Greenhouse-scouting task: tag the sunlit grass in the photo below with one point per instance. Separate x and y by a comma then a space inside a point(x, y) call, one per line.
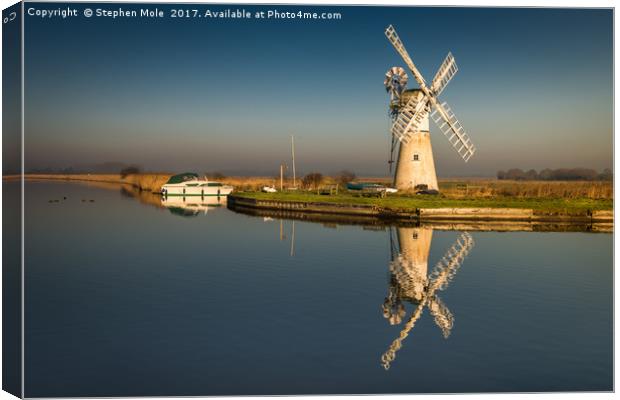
point(409, 202)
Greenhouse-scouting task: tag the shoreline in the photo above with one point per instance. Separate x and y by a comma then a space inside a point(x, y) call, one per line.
point(143, 182)
point(602, 218)
point(375, 223)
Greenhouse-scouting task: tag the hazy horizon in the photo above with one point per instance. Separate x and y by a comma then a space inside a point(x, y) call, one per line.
point(534, 89)
point(114, 167)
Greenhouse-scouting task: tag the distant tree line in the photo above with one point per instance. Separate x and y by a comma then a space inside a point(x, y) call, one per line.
point(215, 175)
point(314, 179)
point(561, 174)
point(130, 170)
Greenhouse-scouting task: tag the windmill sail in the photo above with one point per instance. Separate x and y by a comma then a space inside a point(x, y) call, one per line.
point(409, 119)
point(444, 74)
point(453, 130)
point(446, 268)
point(392, 36)
point(395, 81)
point(442, 316)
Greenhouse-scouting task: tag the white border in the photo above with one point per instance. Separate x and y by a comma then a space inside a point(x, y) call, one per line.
point(458, 3)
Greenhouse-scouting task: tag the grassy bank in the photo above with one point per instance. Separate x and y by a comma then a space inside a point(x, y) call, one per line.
point(405, 202)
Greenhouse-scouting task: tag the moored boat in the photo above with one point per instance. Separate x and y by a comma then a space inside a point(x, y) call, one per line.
point(190, 184)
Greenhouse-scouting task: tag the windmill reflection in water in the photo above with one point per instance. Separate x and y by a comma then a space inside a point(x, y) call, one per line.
point(411, 282)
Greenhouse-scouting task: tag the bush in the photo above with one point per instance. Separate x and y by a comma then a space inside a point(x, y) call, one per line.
point(345, 177)
point(312, 180)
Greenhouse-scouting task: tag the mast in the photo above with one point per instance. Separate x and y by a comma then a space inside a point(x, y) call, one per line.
point(293, 153)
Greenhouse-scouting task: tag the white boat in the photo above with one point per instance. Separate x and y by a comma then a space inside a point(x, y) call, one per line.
point(189, 184)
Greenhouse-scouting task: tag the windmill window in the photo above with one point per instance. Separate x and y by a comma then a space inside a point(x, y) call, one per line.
point(416, 157)
point(415, 235)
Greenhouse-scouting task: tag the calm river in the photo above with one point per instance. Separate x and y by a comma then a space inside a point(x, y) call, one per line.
point(128, 298)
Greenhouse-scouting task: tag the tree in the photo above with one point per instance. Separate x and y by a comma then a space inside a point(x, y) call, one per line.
point(501, 174)
point(584, 174)
point(515, 174)
point(215, 175)
point(606, 175)
point(546, 174)
point(312, 180)
point(130, 170)
point(531, 175)
point(345, 177)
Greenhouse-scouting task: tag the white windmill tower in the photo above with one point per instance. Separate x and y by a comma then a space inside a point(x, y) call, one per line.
point(410, 110)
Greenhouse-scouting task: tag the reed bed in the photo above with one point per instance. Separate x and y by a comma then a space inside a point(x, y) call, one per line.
point(150, 182)
point(527, 189)
point(153, 182)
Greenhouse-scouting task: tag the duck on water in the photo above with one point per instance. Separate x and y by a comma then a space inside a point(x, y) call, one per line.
point(190, 184)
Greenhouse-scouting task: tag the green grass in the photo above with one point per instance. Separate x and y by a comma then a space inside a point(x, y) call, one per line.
point(404, 202)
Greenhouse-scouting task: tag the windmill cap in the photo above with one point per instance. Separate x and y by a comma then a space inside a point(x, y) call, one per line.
point(408, 94)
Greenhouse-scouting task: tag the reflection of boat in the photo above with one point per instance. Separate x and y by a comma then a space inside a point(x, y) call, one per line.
point(192, 206)
point(189, 184)
point(411, 282)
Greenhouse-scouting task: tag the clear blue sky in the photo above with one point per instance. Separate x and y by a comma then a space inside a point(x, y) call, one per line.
point(534, 89)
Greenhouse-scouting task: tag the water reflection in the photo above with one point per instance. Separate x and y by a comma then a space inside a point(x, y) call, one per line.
point(544, 321)
point(192, 206)
point(177, 205)
point(411, 282)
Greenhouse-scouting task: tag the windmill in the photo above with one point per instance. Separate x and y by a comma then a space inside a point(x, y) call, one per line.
point(409, 112)
point(409, 281)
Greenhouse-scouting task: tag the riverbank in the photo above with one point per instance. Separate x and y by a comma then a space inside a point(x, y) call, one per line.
point(148, 182)
point(376, 223)
point(433, 208)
